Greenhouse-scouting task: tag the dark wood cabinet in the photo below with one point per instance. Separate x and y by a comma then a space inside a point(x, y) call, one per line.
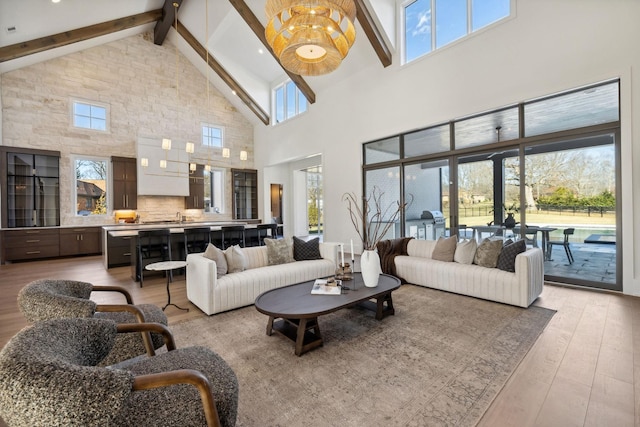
point(119, 250)
point(245, 193)
point(80, 241)
point(125, 183)
point(195, 200)
point(36, 243)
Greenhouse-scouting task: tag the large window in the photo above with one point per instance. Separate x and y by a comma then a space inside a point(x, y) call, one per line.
point(214, 191)
point(432, 24)
point(288, 102)
point(91, 186)
point(548, 164)
point(90, 115)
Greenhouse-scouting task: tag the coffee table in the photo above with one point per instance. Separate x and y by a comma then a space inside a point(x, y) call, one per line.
point(298, 310)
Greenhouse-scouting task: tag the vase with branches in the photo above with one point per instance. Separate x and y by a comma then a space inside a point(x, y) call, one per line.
point(372, 220)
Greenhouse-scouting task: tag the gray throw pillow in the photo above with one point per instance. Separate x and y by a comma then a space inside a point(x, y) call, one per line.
point(304, 250)
point(507, 258)
point(445, 249)
point(465, 251)
point(216, 254)
point(487, 253)
point(278, 251)
point(236, 261)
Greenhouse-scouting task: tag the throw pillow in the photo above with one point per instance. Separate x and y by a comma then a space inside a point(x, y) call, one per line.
point(465, 252)
point(278, 251)
point(445, 249)
point(236, 261)
point(303, 250)
point(487, 253)
point(507, 258)
point(216, 254)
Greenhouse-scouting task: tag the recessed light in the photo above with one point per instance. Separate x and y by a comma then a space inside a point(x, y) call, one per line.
point(55, 1)
point(260, 51)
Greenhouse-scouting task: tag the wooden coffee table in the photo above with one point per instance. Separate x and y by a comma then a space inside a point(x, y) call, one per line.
point(298, 310)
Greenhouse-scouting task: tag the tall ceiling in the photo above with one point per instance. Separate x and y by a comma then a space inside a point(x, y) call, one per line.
point(223, 31)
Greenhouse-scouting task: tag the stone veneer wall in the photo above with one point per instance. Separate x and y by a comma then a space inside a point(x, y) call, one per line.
point(137, 80)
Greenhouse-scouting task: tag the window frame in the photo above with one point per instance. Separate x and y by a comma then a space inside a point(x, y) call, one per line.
point(223, 175)
point(301, 103)
point(74, 184)
point(211, 126)
point(401, 28)
point(107, 114)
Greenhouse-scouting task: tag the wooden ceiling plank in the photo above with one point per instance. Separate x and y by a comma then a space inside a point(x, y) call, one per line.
point(168, 19)
point(224, 75)
point(42, 44)
point(256, 26)
point(373, 33)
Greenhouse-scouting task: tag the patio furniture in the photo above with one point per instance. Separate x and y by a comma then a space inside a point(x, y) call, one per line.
point(564, 243)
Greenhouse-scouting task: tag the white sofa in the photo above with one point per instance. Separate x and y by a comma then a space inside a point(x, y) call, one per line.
point(520, 288)
point(213, 295)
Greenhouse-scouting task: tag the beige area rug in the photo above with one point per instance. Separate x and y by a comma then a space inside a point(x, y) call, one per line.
point(440, 361)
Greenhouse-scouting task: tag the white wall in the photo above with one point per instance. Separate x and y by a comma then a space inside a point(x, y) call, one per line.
point(550, 46)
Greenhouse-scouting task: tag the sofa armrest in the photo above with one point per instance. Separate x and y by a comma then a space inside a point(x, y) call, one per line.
point(202, 274)
point(530, 270)
point(329, 250)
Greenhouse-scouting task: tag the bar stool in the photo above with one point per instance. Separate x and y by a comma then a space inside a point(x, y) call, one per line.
point(266, 230)
point(196, 240)
point(232, 235)
point(153, 246)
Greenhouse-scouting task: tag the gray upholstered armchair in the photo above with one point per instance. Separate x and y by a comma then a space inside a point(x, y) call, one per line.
point(58, 298)
point(49, 376)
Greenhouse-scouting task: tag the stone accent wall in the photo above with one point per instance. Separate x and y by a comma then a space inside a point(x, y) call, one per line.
point(149, 94)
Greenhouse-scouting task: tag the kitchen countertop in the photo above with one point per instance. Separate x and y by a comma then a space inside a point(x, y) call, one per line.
point(125, 230)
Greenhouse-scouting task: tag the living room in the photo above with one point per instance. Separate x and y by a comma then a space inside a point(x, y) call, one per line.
point(543, 48)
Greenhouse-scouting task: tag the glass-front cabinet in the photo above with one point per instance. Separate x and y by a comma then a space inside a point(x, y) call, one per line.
point(245, 193)
point(32, 189)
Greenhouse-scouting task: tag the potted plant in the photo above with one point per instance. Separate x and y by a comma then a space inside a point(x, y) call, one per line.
point(372, 221)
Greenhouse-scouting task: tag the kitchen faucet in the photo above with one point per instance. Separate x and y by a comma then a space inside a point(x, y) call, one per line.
point(178, 217)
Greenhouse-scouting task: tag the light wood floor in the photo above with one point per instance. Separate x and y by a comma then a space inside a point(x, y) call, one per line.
point(584, 370)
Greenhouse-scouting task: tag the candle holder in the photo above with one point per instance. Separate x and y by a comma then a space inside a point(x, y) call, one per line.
point(344, 272)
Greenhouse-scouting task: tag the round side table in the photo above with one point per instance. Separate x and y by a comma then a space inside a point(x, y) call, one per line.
point(167, 266)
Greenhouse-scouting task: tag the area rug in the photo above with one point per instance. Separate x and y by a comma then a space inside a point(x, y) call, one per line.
point(440, 361)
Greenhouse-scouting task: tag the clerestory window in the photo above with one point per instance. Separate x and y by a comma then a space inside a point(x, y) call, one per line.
point(431, 24)
point(288, 102)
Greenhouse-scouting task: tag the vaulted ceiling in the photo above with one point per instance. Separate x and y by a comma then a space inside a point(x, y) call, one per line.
point(229, 33)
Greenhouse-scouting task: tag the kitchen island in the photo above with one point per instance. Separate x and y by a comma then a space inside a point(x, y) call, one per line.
point(119, 240)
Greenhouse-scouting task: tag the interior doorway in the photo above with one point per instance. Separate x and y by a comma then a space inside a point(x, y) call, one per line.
point(315, 215)
point(276, 203)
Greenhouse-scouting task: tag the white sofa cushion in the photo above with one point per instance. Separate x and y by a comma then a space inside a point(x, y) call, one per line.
point(520, 288)
point(213, 295)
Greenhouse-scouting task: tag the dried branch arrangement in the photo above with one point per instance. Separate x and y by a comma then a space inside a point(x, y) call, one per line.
point(376, 220)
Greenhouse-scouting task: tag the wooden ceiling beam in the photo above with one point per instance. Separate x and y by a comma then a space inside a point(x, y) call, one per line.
point(256, 26)
point(224, 75)
point(373, 33)
point(42, 44)
point(167, 21)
